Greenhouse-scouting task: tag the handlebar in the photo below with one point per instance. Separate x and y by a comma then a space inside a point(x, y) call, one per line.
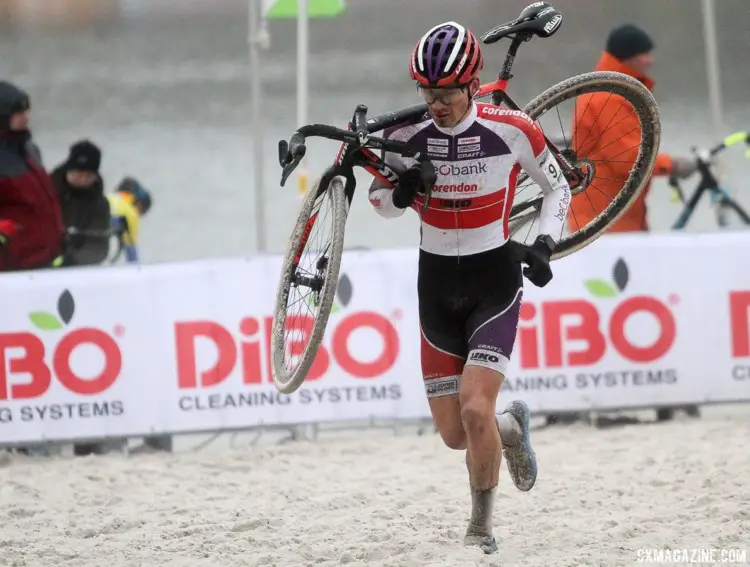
point(358, 134)
point(704, 158)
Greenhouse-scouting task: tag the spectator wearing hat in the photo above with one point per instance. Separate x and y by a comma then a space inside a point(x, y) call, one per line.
point(85, 208)
point(629, 50)
point(608, 131)
point(31, 226)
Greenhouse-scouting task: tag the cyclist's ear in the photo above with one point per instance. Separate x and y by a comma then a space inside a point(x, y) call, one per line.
point(474, 87)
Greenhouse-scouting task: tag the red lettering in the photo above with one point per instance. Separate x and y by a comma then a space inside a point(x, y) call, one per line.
point(587, 329)
point(303, 328)
point(185, 336)
point(252, 371)
point(255, 361)
point(387, 357)
point(667, 329)
point(563, 322)
point(528, 338)
point(739, 304)
point(31, 363)
point(78, 384)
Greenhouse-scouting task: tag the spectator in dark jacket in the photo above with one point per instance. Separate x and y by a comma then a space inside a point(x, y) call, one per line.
point(85, 207)
point(31, 225)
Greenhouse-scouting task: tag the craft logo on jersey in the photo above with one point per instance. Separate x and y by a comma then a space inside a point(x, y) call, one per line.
point(469, 147)
point(579, 343)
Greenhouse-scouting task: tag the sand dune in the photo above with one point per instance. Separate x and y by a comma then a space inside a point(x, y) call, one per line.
point(382, 500)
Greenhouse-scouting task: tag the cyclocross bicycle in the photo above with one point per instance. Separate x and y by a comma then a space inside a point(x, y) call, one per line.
point(335, 188)
point(722, 201)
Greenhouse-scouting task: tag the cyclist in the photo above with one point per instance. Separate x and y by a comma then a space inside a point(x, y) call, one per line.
point(128, 204)
point(470, 283)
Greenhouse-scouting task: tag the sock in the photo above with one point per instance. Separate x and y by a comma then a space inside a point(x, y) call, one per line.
point(481, 511)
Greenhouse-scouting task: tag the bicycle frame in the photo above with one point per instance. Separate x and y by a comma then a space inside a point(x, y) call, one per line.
point(710, 184)
point(356, 148)
point(357, 145)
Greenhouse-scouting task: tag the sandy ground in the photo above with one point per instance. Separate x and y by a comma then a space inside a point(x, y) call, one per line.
point(382, 500)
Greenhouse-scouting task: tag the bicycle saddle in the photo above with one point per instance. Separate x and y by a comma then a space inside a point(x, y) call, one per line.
point(539, 19)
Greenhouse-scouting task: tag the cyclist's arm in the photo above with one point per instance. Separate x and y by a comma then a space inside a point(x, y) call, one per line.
point(381, 190)
point(541, 166)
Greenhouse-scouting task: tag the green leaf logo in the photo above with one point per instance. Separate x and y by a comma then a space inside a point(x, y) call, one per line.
point(45, 321)
point(600, 288)
point(312, 303)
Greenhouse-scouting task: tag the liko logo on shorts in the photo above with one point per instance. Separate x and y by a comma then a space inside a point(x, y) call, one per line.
point(248, 346)
point(575, 333)
point(24, 354)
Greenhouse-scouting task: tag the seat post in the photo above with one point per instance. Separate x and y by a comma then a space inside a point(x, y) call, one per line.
point(505, 74)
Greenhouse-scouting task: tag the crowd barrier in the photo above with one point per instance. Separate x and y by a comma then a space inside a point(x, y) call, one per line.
point(629, 322)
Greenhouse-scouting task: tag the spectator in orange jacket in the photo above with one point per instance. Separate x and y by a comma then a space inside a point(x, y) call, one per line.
point(608, 131)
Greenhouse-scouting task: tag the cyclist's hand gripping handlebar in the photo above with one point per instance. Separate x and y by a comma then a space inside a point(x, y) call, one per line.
point(429, 178)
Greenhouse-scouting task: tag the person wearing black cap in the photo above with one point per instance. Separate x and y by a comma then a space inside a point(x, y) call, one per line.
point(31, 225)
point(629, 50)
point(84, 205)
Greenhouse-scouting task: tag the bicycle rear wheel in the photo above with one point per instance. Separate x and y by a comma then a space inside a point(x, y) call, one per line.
point(637, 97)
point(313, 264)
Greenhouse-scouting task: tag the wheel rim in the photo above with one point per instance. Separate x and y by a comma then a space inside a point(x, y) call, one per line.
point(587, 155)
point(307, 281)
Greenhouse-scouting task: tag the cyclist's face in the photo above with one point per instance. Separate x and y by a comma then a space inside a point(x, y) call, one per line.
point(448, 105)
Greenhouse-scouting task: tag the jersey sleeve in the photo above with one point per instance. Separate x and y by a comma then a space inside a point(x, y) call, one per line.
point(541, 166)
point(381, 190)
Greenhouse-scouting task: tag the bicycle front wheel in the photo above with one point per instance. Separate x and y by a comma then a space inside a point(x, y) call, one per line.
point(307, 287)
point(588, 158)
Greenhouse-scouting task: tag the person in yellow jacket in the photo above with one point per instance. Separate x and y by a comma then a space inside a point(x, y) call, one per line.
point(128, 204)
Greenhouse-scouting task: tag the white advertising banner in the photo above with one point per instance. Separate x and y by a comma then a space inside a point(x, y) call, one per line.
point(637, 321)
point(630, 321)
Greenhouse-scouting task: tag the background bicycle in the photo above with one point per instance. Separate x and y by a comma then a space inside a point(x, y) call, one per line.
point(727, 210)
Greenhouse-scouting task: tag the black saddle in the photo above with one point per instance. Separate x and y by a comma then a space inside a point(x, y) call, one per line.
point(539, 19)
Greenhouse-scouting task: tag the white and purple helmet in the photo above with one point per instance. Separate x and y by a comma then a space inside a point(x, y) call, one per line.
point(447, 55)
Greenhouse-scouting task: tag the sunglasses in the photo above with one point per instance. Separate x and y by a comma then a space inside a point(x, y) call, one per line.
point(444, 96)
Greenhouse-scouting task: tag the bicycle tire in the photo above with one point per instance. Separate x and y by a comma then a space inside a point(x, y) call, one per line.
point(647, 110)
point(288, 382)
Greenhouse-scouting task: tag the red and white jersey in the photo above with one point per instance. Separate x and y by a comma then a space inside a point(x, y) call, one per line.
point(477, 165)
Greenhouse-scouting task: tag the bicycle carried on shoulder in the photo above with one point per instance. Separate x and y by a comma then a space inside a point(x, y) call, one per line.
point(335, 188)
point(720, 198)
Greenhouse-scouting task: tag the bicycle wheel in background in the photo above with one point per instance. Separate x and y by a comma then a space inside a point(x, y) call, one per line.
point(309, 277)
point(586, 160)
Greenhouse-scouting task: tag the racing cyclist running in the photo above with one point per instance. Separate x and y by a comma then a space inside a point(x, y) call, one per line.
point(470, 283)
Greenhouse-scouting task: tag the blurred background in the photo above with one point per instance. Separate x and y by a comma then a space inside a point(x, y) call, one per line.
point(163, 87)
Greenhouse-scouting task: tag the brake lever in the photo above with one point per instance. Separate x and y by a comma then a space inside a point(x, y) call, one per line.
point(291, 154)
point(359, 124)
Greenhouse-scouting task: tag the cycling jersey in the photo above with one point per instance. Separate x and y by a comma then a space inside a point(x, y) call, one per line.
point(468, 310)
point(477, 165)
